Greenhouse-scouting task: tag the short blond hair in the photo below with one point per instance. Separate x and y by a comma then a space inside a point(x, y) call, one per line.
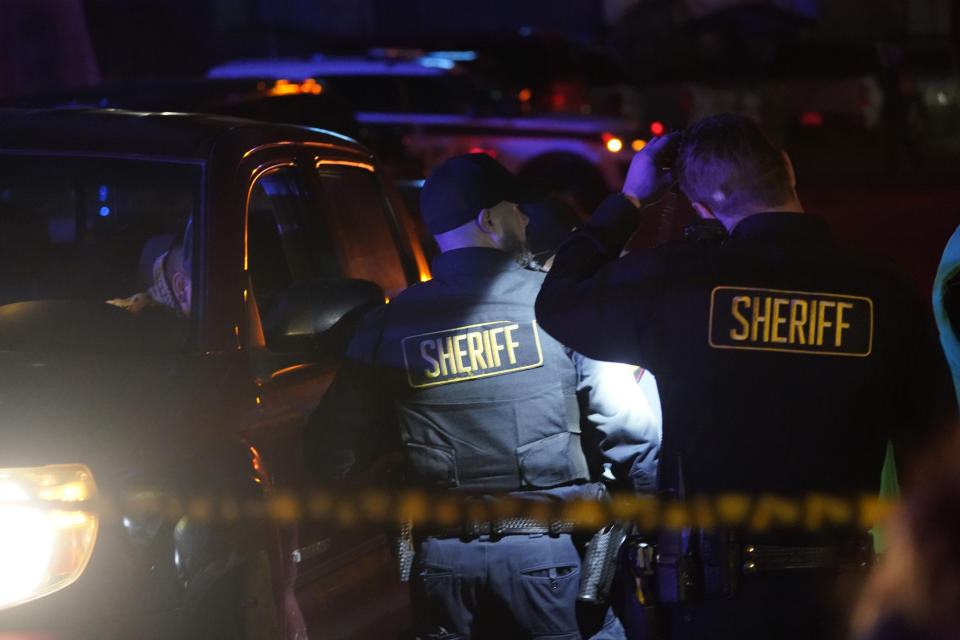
point(726, 162)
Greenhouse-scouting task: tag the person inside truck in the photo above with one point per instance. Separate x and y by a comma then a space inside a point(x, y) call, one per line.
point(171, 287)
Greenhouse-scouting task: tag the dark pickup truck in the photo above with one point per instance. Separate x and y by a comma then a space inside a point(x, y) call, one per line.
point(289, 236)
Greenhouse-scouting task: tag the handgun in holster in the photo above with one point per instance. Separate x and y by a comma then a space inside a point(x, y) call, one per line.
point(600, 560)
point(403, 551)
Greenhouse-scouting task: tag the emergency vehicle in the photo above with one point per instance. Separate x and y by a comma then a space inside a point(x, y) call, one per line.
point(430, 106)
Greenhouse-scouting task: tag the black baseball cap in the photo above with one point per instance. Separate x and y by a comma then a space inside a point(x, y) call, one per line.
point(456, 191)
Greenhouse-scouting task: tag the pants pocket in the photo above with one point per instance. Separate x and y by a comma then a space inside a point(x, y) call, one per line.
point(550, 595)
point(551, 574)
point(435, 583)
point(439, 612)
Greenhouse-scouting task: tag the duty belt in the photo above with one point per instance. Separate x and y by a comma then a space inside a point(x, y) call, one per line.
point(504, 527)
point(761, 558)
point(692, 565)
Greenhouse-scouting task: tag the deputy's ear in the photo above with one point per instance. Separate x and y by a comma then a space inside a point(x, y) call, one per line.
point(703, 211)
point(485, 221)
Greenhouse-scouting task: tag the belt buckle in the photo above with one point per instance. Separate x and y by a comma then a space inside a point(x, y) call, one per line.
point(554, 528)
point(497, 529)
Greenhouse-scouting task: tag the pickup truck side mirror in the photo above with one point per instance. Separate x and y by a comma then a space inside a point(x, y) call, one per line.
point(320, 315)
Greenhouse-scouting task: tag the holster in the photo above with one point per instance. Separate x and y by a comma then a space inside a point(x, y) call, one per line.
point(719, 556)
point(600, 560)
point(693, 563)
point(677, 567)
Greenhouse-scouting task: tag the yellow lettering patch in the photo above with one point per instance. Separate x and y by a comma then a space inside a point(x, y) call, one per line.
point(791, 321)
point(467, 353)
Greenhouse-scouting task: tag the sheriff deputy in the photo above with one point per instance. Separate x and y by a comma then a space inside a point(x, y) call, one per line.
point(481, 400)
point(784, 362)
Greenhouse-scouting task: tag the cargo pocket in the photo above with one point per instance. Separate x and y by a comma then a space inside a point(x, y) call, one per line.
point(546, 462)
point(432, 464)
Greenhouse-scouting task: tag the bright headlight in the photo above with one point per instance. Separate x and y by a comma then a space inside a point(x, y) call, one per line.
point(44, 543)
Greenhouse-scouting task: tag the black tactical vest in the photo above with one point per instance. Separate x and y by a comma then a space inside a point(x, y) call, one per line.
point(485, 398)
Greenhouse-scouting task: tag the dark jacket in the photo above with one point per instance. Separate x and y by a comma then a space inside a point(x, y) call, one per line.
point(784, 362)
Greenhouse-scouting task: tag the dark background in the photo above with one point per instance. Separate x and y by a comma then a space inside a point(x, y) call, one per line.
point(53, 44)
point(708, 47)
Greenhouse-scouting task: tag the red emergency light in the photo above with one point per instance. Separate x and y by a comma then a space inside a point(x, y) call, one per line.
point(811, 119)
point(656, 128)
point(489, 152)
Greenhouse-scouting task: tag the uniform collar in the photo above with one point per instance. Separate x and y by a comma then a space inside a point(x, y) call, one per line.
point(473, 261)
point(796, 227)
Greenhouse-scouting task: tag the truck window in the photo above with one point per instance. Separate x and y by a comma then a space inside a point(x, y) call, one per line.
point(75, 233)
point(75, 228)
point(281, 215)
point(363, 227)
